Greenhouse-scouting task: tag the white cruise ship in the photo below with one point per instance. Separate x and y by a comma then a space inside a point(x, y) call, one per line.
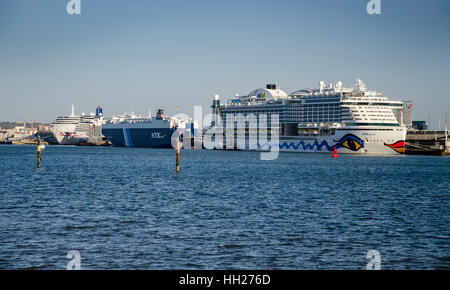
point(350, 120)
point(74, 129)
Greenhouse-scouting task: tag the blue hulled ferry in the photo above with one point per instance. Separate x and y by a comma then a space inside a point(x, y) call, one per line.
point(137, 131)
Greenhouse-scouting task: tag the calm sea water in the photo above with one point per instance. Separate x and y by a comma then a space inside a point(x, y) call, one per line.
point(125, 208)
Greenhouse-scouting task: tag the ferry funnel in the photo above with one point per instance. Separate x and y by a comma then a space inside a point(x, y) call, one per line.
point(99, 111)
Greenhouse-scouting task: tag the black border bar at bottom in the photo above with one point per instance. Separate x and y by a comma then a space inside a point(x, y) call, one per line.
point(223, 279)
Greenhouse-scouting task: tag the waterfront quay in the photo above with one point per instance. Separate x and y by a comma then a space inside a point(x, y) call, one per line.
point(427, 142)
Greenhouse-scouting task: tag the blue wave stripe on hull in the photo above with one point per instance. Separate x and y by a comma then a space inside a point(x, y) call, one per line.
point(307, 146)
point(349, 141)
point(301, 145)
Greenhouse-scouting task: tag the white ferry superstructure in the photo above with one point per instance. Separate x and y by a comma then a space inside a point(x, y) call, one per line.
point(350, 120)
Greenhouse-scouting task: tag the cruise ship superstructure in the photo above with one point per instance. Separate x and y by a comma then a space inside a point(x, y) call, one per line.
point(74, 129)
point(352, 120)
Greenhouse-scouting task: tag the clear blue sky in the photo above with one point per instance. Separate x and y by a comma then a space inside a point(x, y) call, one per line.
point(133, 55)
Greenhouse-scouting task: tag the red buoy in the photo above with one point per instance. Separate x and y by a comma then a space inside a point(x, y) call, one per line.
point(335, 154)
